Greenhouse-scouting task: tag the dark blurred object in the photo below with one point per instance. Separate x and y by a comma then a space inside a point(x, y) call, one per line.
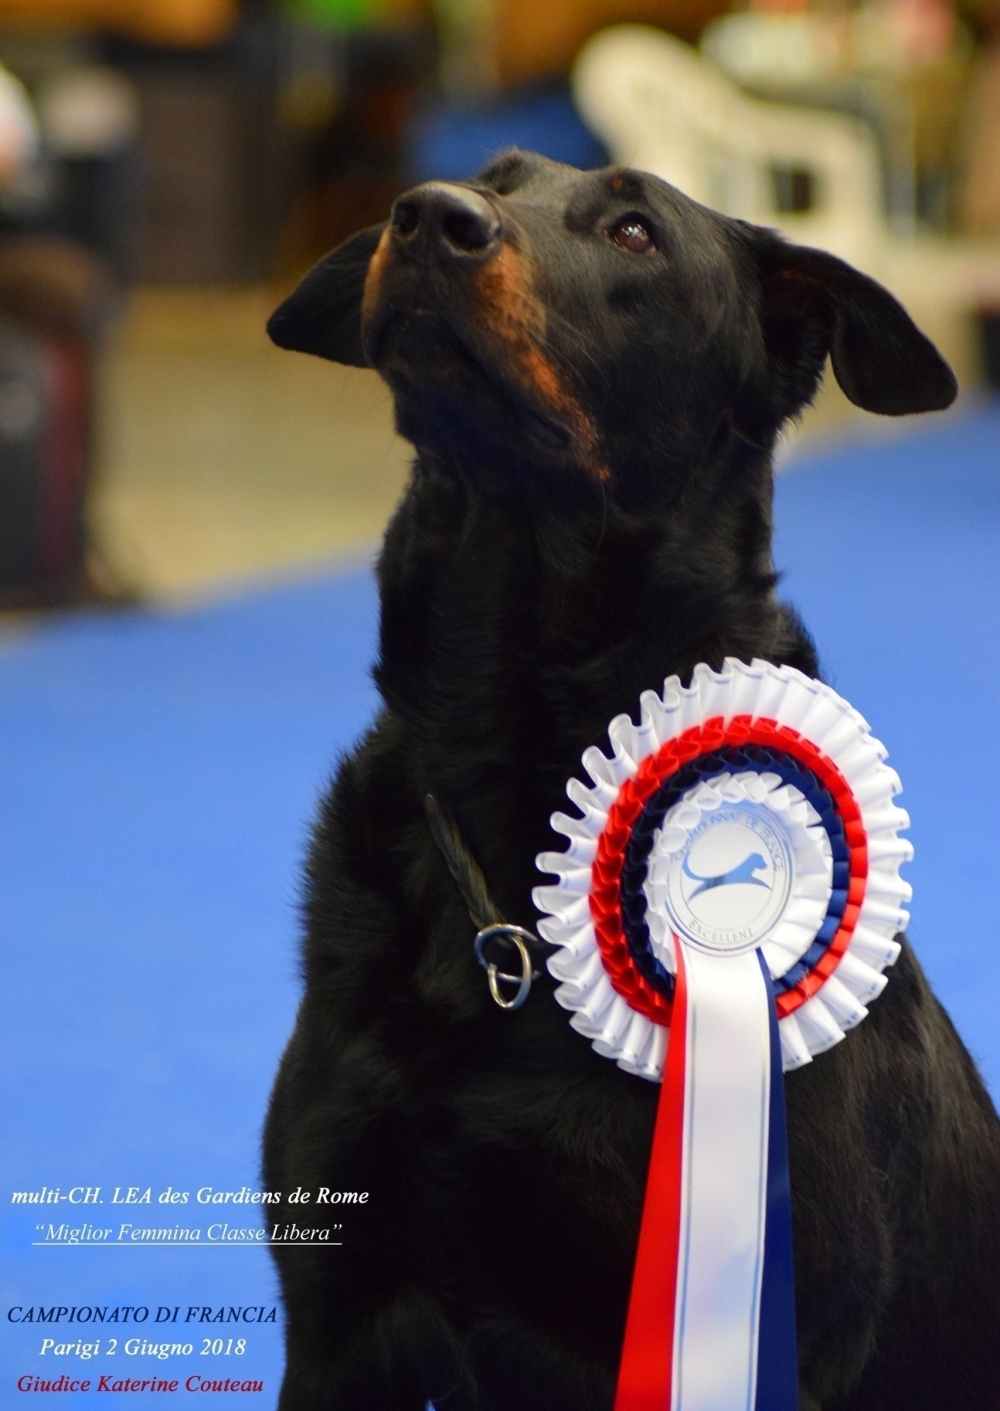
point(214, 182)
point(352, 164)
point(53, 300)
point(989, 324)
point(90, 123)
point(982, 15)
point(202, 145)
point(454, 143)
point(85, 183)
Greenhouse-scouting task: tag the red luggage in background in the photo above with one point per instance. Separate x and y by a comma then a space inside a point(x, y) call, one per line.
point(44, 400)
point(52, 298)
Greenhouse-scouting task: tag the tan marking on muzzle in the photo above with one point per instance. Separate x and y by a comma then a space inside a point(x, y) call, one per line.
point(373, 279)
point(515, 313)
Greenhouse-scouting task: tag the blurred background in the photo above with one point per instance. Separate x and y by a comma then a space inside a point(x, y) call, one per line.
point(168, 168)
point(187, 611)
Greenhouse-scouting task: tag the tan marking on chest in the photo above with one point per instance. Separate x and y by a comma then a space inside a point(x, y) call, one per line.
point(515, 313)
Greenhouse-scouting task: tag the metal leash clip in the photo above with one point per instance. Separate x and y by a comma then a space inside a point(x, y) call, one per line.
point(482, 912)
point(518, 935)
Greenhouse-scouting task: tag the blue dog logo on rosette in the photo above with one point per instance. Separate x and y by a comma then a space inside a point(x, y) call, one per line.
point(742, 873)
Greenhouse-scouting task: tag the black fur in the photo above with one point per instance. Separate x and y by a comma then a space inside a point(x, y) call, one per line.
point(535, 579)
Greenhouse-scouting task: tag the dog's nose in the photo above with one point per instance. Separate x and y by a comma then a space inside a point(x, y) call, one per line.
point(447, 221)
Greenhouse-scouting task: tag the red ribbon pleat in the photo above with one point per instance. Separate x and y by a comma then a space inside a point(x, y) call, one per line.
point(645, 1373)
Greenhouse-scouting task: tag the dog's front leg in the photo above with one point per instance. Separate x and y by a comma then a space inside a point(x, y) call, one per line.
point(362, 1332)
point(517, 1367)
point(402, 1357)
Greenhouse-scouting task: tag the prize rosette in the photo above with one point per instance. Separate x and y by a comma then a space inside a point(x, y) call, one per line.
point(725, 909)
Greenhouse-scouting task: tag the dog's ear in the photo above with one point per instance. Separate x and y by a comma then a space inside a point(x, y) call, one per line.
point(322, 315)
point(813, 304)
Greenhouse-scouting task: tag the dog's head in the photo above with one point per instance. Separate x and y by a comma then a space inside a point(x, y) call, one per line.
point(598, 324)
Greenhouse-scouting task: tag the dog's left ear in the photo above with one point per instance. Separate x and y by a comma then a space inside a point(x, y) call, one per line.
point(813, 304)
point(322, 315)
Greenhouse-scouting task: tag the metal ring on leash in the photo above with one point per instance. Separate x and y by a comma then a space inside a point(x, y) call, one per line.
point(518, 935)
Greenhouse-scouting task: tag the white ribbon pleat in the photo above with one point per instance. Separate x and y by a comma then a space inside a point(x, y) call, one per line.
point(724, 1183)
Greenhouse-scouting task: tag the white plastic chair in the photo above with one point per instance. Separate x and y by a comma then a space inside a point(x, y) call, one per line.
point(658, 106)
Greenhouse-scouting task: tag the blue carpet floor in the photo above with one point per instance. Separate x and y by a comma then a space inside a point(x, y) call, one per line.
point(892, 554)
point(157, 774)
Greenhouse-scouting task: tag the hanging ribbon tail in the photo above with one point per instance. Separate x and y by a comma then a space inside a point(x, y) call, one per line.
point(777, 1352)
point(645, 1374)
point(711, 1320)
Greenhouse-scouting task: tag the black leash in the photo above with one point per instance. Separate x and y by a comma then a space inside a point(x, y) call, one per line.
point(489, 923)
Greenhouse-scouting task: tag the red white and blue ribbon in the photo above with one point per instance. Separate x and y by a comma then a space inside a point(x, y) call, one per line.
point(730, 884)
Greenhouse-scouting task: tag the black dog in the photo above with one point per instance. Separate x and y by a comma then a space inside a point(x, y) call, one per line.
point(593, 370)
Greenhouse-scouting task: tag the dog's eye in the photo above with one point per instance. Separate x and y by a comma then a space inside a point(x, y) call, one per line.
point(631, 234)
